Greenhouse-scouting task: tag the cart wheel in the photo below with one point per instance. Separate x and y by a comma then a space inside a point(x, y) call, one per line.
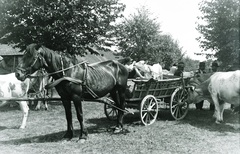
point(148, 110)
point(178, 104)
point(110, 112)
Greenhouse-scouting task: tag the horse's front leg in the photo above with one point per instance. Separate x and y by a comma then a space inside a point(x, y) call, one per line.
point(67, 106)
point(78, 106)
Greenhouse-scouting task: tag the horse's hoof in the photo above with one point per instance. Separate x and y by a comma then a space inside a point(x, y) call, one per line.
point(218, 122)
point(118, 130)
point(22, 127)
point(82, 140)
point(68, 136)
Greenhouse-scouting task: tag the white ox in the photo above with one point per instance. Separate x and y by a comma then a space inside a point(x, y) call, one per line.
point(155, 71)
point(219, 88)
point(11, 87)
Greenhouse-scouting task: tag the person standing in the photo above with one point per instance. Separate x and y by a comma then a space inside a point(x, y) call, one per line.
point(214, 69)
point(201, 70)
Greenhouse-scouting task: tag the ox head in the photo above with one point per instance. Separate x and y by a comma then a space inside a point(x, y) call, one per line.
point(194, 95)
point(198, 88)
point(31, 61)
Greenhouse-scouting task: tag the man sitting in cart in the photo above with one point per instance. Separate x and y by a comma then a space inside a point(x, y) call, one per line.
point(180, 69)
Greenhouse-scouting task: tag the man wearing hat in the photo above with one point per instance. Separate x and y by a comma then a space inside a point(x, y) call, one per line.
point(180, 69)
point(214, 69)
point(214, 66)
point(201, 70)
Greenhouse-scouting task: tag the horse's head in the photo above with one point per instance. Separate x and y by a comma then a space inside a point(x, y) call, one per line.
point(31, 61)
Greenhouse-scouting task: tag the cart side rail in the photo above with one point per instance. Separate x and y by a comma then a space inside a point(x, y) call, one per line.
point(160, 89)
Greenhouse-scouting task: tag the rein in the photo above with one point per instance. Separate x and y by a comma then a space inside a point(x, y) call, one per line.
point(64, 69)
point(59, 71)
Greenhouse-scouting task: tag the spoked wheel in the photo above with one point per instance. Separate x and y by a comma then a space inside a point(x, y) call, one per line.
point(110, 112)
point(148, 110)
point(178, 104)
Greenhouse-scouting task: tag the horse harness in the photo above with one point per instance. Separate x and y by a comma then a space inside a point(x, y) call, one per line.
point(83, 82)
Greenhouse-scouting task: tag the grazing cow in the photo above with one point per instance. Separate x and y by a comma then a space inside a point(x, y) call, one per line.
point(219, 88)
point(154, 71)
point(11, 87)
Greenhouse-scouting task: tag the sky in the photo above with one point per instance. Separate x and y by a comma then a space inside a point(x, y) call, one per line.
point(177, 18)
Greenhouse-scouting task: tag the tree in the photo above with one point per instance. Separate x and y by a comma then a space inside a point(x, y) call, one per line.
point(140, 38)
point(219, 27)
point(64, 25)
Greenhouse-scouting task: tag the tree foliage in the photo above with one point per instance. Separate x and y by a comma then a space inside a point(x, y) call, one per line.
point(60, 25)
point(140, 38)
point(219, 26)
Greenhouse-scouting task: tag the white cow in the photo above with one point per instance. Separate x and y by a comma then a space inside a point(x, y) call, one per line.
point(219, 88)
point(11, 87)
point(155, 71)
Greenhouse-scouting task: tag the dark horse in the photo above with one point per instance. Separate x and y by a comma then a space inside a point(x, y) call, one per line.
point(77, 81)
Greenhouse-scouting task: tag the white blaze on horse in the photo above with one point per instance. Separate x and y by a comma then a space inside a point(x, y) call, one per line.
point(11, 87)
point(220, 88)
point(149, 71)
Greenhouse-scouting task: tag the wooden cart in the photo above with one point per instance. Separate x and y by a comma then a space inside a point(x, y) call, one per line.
point(151, 96)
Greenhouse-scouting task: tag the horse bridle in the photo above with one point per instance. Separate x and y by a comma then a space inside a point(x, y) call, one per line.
point(36, 58)
point(44, 63)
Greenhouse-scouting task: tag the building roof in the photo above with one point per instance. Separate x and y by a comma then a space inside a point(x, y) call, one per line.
point(7, 50)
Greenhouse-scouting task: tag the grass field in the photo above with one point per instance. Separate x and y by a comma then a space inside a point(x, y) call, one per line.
point(196, 134)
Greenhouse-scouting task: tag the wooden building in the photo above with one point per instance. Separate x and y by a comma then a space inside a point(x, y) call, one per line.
point(9, 58)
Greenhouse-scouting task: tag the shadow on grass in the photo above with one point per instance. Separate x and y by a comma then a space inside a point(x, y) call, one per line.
point(101, 125)
point(7, 108)
point(54, 137)
point(204, 119)
point(3, 128)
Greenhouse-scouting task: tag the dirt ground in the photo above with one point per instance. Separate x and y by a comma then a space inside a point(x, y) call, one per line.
point(197, 133)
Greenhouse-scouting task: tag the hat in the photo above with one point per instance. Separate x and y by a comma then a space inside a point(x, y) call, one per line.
point(181, 64)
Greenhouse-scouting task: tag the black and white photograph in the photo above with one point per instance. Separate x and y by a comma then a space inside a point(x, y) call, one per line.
point(119, 76)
